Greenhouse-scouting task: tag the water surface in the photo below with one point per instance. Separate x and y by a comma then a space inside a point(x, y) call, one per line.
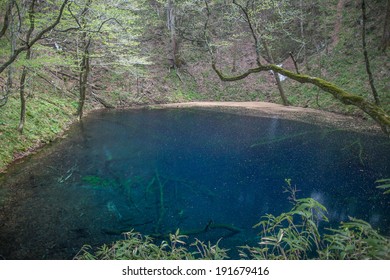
point(159, 170)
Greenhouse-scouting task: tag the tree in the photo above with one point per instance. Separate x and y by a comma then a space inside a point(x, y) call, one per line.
point(104, 32)
point(34, 39)
point(171, 24)
point(7, 17)
point(10, 25)
point(386, 29)
point(347, 98)
point(31, 16)
point(365, 53)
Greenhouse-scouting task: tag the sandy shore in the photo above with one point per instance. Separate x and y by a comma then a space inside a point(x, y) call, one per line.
point(264, 109)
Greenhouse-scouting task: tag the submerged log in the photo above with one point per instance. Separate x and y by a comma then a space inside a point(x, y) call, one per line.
point(210, 226)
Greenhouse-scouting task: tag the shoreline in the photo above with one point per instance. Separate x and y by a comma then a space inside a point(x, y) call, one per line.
point(257, 109)
point(265, 109)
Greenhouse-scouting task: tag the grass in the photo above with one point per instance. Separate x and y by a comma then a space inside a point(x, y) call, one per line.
point(47, 116)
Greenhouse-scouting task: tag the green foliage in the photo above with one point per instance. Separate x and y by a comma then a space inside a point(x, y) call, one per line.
point(138, 247)
point(97, 181)
point(384, 185)
point(293, 235)
point(355, 240)
point(47, 116)
point(343, 65)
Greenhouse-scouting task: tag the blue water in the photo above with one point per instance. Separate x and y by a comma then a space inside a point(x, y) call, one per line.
point(159, 170)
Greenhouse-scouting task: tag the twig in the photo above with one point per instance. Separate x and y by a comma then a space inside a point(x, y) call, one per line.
point(295, 62)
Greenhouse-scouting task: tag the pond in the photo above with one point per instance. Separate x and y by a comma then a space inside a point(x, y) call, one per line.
point(155, 171)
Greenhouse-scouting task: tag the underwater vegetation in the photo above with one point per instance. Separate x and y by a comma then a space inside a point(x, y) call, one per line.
point(211, 175)
point(293, 235)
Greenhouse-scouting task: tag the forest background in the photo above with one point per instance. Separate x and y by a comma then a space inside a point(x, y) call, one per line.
point(59, 59)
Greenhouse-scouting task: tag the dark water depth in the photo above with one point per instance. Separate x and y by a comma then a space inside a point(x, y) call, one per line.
point(159, 170)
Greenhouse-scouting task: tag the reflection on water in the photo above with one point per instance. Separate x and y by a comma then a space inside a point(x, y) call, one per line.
point(156, 171)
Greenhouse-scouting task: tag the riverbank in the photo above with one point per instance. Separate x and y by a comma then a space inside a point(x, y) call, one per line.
point(266, 109)
point(48, 120)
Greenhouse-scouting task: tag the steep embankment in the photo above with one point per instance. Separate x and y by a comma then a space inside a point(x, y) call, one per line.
point(336, 56)
point(47, 117)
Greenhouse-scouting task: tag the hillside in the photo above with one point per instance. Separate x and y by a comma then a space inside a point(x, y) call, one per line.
point(333, 51)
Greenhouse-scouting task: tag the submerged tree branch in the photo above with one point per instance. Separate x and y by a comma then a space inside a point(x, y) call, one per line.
point(374, 111)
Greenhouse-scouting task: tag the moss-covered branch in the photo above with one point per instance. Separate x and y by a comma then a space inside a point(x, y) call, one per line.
point(374, 111)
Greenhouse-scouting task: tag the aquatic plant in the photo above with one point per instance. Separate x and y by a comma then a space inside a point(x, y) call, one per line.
point(359, 151)
point(384, 185)
point(293, 235)
point(355, 240)
point(97, 181)
point(135, 246)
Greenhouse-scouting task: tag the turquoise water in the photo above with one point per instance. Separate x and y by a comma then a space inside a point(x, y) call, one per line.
point(158, 170)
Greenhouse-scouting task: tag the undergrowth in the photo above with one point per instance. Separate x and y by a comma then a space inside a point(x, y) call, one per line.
point(47, 116)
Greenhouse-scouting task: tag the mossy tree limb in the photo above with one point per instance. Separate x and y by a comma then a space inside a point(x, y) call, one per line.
point(374, 111)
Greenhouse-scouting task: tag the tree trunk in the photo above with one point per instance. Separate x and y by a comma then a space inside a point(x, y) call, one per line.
point(84, 63)
point(13, 36)
point(386, 29)
point(276, 75)
point(25, 47)
point(171, 24)
point(22, 119)
point(303, 37)
point(366, 59)
point(31, 15)
point(7, 18)
point(83, 76)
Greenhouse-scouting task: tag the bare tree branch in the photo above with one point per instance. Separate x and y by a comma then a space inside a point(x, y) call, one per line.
point(257, 45)
point(34, 40)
